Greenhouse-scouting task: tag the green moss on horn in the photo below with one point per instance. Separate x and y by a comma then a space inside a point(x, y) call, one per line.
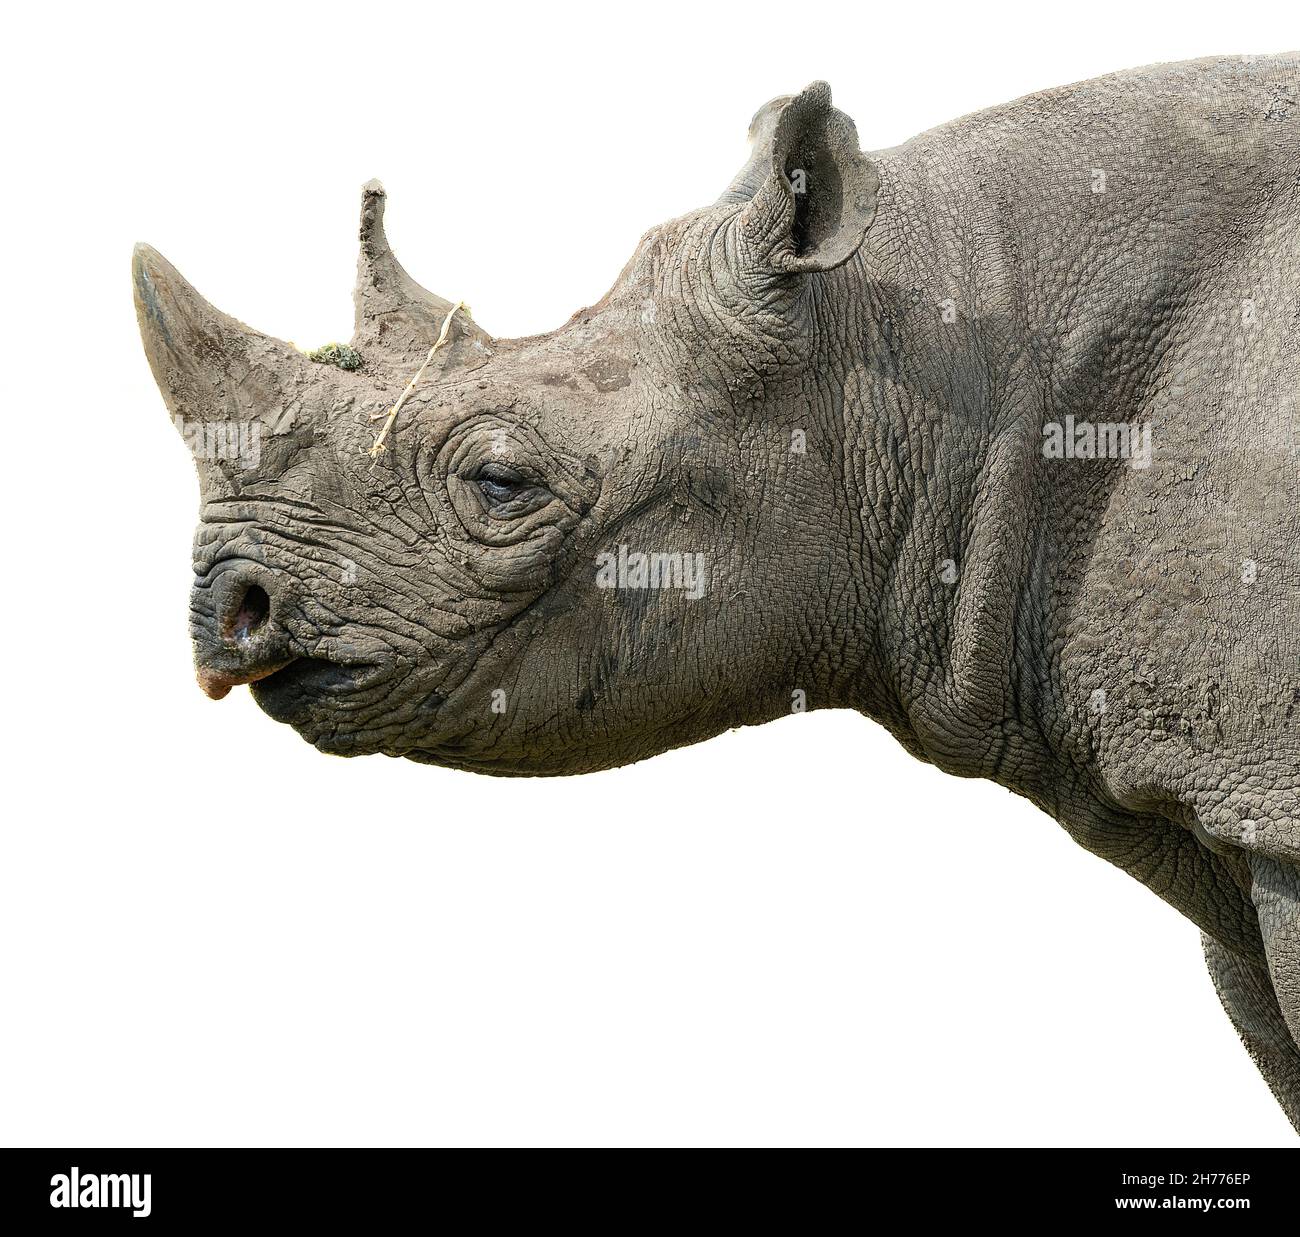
point(336, 354)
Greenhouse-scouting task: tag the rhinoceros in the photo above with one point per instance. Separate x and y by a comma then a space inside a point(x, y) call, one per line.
point(992, 436)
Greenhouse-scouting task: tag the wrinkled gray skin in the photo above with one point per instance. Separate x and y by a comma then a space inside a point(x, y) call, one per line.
point(1118, 644)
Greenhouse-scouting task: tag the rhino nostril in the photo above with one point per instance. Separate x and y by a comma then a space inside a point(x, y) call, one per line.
point(252, 612)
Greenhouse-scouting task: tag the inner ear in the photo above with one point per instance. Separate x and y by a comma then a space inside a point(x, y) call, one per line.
point(818, 188)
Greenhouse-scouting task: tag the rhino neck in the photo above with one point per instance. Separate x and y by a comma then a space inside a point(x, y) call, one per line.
point(938, 454)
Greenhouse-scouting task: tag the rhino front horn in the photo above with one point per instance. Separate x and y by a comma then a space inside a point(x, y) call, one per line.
point(398, 321)
point(207, 365)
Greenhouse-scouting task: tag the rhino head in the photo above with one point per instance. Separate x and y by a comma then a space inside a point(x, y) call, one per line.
point(572, 550)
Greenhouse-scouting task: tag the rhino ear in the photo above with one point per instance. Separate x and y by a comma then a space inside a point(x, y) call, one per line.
point(398, 321)
point(811, 193)
point(208, 366)
point(762, 134)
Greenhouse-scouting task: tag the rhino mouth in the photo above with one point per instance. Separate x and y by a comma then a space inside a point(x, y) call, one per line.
point(294, 691)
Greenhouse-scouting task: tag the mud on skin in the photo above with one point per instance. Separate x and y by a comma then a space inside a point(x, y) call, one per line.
point(881, 407)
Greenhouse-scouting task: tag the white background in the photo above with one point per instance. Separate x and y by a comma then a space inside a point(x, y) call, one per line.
point(210, 934)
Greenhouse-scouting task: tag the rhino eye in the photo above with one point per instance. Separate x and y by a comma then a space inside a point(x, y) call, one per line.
point(500, 484)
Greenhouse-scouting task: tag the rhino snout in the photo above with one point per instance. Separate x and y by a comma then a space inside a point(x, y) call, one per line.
point(237, 638)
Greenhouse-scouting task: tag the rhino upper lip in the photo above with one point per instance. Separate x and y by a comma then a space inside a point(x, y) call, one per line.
point(216, 684)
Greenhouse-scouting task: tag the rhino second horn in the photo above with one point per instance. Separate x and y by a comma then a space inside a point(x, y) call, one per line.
point(397, 320)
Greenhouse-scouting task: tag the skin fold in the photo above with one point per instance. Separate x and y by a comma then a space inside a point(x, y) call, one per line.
point(807, 453)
